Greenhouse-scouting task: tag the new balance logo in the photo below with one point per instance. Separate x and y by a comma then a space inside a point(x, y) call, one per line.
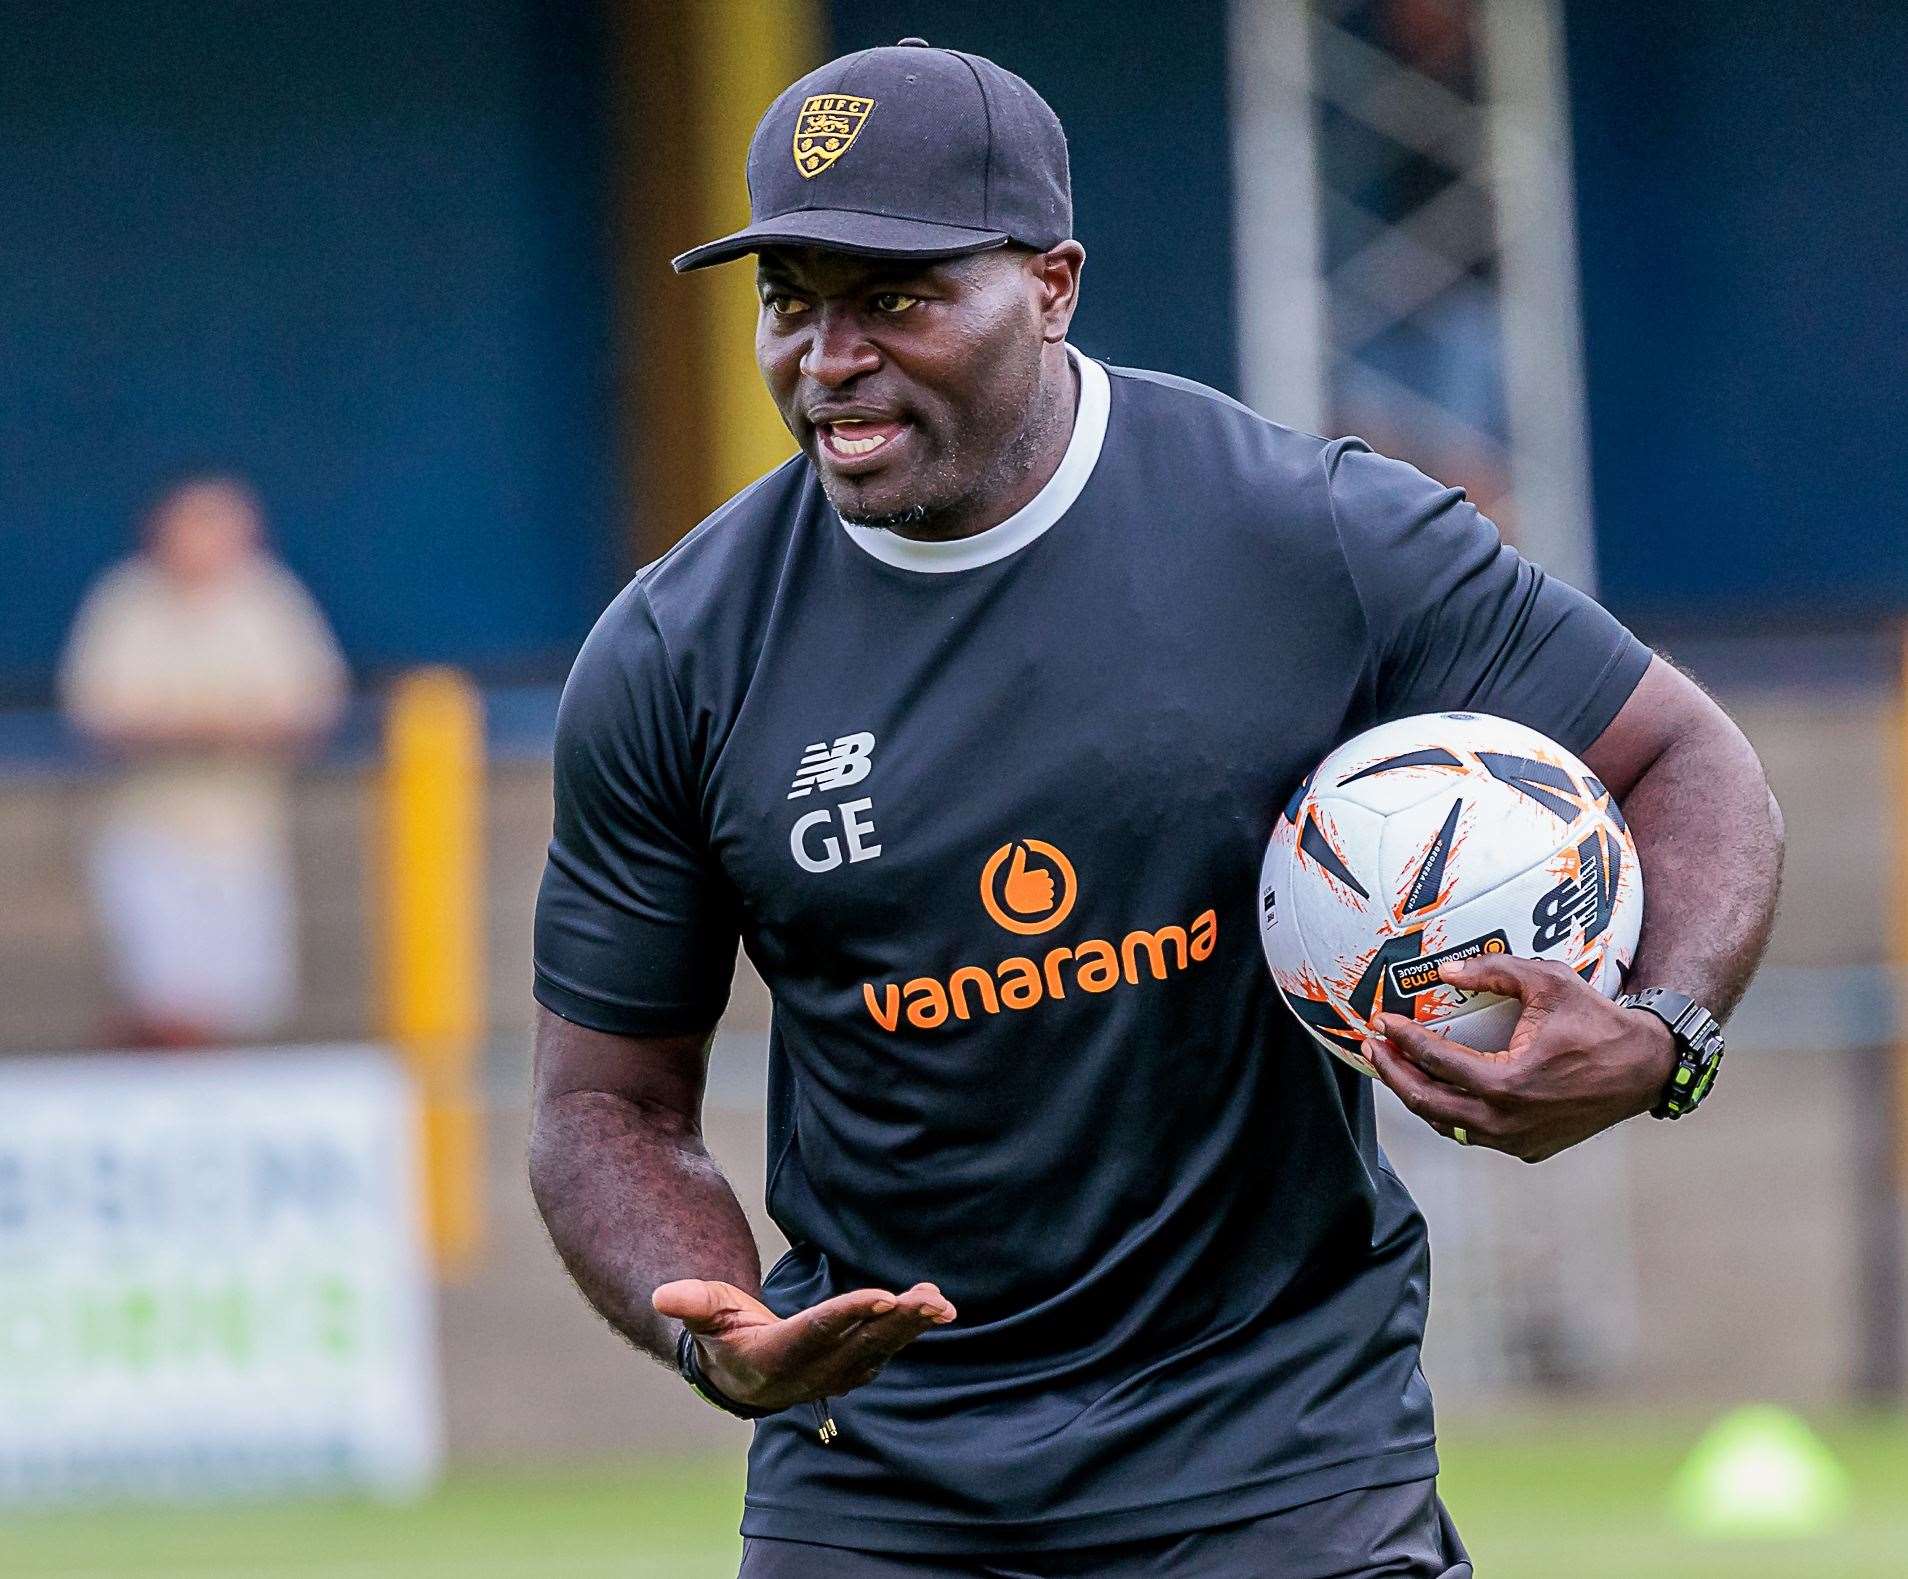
point(834, 766)
point(1587, 900)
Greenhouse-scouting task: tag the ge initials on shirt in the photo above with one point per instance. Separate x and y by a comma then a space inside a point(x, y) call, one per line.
point(825, 766)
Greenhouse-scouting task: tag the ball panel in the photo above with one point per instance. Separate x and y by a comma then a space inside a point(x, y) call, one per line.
point(1388, 782)
point(1286, 952)
point(1340, 839)
point(1323, 1011)
point(1488, 1029)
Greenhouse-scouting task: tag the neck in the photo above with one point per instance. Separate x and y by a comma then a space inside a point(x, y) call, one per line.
point(1028, 468)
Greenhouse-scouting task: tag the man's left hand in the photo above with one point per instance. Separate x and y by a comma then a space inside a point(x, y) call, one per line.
point(1577, 1063)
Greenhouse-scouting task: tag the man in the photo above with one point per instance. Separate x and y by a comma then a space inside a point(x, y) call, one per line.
point(1096, 1266)
point(203, 667)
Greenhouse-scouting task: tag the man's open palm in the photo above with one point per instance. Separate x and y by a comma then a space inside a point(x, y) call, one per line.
point(771, 1362)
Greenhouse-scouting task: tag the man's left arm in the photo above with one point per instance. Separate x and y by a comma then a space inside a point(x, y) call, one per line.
point(1709, 837)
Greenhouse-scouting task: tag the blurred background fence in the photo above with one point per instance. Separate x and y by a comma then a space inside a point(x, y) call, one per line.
point(1633, 274)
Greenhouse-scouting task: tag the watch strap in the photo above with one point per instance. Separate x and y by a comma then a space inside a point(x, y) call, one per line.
point(1699, 1047)
point(689, 1365)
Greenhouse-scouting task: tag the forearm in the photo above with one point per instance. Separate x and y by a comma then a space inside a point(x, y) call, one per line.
point(1709, 835)
point(632, 1200)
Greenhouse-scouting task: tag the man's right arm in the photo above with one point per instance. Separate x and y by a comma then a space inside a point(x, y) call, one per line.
point(628, 1190)
point(656, 1239)
point(636, 933)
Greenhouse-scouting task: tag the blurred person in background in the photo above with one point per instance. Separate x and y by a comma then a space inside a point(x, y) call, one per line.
point(204, 668)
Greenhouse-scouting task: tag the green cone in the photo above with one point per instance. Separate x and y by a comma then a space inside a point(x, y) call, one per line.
point(1759, 1473)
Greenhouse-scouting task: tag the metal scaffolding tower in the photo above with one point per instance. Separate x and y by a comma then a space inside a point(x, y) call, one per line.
point(1406, 245)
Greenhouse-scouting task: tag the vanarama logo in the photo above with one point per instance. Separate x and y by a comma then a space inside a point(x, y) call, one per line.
point(1029, 887)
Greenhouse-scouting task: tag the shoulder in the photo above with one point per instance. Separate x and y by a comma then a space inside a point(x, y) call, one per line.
point(132, 581)
point(731, 552)
point(1370, 492)
point(1344, 478)
point(624, 652)
point(121, 602)
point(1189, 442)
point(1210, 422)
point(1216, 474)
point(708, 590)
point(271, 575)
point(273, 589)
point(1346, 472)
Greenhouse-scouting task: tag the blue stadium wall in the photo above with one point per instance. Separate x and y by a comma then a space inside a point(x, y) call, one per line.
point(351, 249)
point(360, 253)
point(1742, 180)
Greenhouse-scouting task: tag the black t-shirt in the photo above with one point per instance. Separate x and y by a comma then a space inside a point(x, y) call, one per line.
point(988, 818)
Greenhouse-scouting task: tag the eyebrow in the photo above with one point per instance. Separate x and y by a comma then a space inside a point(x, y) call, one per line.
point(882, 272)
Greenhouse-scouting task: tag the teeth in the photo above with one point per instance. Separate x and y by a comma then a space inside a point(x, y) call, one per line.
point(842, 444)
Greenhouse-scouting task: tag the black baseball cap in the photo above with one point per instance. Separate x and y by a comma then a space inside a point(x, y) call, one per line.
point(904, 152)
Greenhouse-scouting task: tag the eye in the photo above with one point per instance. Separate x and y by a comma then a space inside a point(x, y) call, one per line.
point(894, 303)
point(783, 305)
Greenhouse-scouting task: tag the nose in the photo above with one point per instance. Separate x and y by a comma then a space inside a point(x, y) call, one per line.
point(837, 350)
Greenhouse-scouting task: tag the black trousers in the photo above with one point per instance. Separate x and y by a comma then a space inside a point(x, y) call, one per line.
point(1386, 1532)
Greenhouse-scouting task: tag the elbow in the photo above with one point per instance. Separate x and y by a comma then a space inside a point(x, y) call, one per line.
point(546, 1175)
point(540, 1154)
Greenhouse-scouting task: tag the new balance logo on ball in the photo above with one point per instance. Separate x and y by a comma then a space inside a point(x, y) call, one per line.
point(827, 766)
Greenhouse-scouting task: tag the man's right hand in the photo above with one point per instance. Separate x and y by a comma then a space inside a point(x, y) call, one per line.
point(768, 1361)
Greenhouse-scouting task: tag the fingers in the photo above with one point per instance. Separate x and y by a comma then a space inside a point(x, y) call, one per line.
point(836, 1318)
point(1532, 980)
point(708, 1309)
point(867, 1325)
point(930, 1299)
point(835, 1349)
point(1438, 1056)
point(905, 1319)
point(773, 1361)
point(1442, 1106)
point(875, 1342)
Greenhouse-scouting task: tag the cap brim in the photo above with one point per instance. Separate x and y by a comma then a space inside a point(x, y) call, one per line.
point(842, 230)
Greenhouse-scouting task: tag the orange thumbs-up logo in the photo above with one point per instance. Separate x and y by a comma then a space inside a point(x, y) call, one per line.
point(1036, 891)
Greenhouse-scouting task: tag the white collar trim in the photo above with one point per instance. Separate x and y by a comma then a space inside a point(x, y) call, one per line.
point(1031, 519)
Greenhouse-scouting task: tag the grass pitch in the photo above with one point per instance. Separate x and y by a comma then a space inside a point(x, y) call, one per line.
point(1546, 1500)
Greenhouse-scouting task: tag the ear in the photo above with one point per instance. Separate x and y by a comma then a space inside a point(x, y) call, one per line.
point(1057, 277)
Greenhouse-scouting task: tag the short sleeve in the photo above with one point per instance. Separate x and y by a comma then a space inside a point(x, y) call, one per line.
point(635, 929)
point(1459, 620)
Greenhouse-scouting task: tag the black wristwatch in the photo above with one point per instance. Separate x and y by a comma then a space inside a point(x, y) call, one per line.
point(1699, 1047)
point(689, 1363)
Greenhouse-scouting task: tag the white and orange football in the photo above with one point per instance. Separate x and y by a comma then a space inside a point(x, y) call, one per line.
point(1442, 837)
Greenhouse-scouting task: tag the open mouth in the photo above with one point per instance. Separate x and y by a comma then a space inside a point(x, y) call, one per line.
point(854, 442)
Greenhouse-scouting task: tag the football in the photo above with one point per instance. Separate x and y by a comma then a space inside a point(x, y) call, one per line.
point(1437, 838)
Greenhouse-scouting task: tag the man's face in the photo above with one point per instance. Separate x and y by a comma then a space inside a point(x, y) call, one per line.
point(911, 386)
point(204, 532)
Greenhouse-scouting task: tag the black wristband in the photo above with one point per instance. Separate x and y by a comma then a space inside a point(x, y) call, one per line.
point(689, 1365)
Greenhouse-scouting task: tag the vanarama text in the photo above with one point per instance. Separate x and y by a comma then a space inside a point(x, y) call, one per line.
point(1021, 982)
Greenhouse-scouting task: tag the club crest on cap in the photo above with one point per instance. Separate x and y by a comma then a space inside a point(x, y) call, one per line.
point(827, 124)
